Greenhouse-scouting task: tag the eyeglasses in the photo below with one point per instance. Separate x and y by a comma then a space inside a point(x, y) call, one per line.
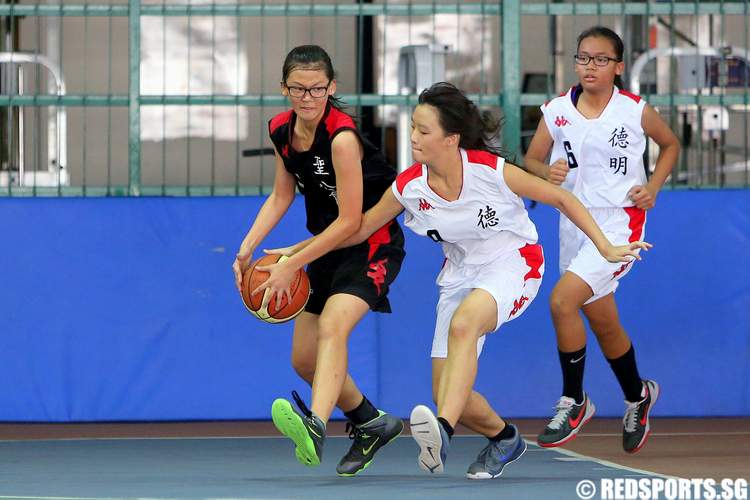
point(315, 92)
point(584, 59)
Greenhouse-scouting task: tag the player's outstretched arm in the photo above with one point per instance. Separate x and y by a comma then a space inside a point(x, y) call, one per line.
point(290, 250)
point(384, 210)
point(372, 220)
point(528, 186)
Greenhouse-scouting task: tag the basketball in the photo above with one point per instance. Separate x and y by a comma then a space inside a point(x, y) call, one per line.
point(274, 312)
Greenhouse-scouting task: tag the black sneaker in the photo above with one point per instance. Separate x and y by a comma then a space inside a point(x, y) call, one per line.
point(368, 439)
point(306, 430)
point(566, 423)
point(635, 423)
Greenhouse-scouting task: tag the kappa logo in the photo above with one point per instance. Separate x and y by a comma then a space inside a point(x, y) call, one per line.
point(517, 305)
point(561, 121)
point(621, 270)
point(424, 205)
point(377, 273)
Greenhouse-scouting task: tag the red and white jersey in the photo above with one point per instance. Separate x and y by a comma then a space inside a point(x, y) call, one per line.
point(485, 221)
point(605, 154)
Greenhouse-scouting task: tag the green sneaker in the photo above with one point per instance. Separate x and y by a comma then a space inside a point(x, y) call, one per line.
point(368, 439)
point(306, 430)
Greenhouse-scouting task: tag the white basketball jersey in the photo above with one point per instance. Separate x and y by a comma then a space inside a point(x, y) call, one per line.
point(605, 154)
point(485, 221)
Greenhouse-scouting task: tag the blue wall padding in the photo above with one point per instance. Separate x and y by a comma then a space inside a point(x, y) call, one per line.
point(125, 309)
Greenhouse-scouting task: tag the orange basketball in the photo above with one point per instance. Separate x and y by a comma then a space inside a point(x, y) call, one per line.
point(274, 312)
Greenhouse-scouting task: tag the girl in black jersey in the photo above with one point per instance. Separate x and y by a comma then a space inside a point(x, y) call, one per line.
point(320, 152)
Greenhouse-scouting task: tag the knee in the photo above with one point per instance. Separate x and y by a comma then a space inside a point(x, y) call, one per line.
point(561, 306)
point(461, 329)
point(328, 330)
point(606, 330)
point(304, 366)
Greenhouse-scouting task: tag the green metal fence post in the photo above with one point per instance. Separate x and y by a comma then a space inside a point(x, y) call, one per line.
point(511, 75)
point(134, 105)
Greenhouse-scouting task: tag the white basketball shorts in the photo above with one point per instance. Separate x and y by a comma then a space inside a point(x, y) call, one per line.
point(578, 254)
point(513, 280)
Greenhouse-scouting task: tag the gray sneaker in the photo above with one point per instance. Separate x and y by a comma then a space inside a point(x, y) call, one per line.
point(496, 455)
point(368, 439)
point(636, 426)
point(432, 439)
point(566, 423)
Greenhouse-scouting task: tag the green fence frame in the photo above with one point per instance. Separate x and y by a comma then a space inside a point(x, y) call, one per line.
point(510, 100)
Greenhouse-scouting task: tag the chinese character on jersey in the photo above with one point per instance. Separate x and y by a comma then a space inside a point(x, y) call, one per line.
point(331, 191)
point(619, 138)
point(319, 164)
point(299, 180)
point(487, 217)
point(619, 165)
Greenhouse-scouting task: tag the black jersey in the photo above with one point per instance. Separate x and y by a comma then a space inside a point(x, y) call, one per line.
point(313, 169)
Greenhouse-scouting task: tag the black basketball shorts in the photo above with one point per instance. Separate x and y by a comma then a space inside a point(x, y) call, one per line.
point(365, 270)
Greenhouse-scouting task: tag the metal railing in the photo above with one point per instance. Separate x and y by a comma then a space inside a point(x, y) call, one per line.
point(503, 19)
point(56, 173)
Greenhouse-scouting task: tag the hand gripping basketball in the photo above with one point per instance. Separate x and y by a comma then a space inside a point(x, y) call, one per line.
point(274, 311)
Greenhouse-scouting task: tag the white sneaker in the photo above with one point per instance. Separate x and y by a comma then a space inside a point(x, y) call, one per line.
point(431, 437)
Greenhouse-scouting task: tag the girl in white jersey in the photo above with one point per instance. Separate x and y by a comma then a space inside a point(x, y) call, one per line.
point(597, 133)
point(465, 197)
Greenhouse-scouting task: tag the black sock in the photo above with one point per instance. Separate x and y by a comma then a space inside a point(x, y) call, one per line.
point(572, 364)
point(362, 413)
point(627, 375)
point(448, 427)
point(507, 433)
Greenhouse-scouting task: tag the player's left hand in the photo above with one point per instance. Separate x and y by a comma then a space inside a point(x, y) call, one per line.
point(241, 263)
point(279, 282)
point(644, 197)
point(626, 253)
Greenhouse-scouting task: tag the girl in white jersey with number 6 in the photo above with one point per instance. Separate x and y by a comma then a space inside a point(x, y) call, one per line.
point(465, 197)
point(597, 133)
